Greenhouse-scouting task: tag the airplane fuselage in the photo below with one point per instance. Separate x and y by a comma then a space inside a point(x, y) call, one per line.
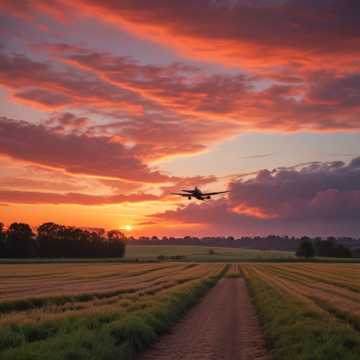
point(196, 193)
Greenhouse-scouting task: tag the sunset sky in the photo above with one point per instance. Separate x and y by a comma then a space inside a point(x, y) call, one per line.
point(108, 106)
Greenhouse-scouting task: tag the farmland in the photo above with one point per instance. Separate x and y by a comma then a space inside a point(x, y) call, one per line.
point(83, 310)
point(114, 310)
point(309, 311)
point(202, 253)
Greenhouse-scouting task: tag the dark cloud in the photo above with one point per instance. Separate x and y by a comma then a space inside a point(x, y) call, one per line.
point(323, 190)
point(319, 199)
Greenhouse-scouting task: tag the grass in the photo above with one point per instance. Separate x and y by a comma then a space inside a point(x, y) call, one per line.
point(296, 330)
point(201, 253)
point(118, 310)
point(119, 335)
point(29, 282)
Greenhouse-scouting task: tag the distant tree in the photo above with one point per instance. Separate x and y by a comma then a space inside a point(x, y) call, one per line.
point(356, 253)
point(305, 249)
point(2, 241)
point(330, 248)
point(116, 243)
point(49, 239)
point(211, 252)
point(343, 252)
point(20, 242)
point(325, 248)
point(67, 241)
point(116, 234)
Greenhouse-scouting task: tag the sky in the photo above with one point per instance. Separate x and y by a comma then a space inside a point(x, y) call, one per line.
point(106, 107)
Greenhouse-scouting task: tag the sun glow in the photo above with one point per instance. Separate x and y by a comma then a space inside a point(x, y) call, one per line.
point(127, 228)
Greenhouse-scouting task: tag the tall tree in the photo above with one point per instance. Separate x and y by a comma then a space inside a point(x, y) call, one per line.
point(305, 249)
point(2, 241)
point(20, 241)
point(49, 239)
point(116, 243)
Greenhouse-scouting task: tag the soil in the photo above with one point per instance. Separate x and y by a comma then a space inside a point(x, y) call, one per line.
point(223, 326)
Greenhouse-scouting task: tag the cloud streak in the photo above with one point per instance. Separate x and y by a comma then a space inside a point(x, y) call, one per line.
point(38, 197)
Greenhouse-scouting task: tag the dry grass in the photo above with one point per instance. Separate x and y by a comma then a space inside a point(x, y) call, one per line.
point(301, 319)
point(331, 288)
point(40, 292)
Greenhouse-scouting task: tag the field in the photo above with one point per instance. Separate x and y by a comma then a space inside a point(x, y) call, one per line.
point(100, 311)
point(309, 311)
point(202, 253)
point(113, 311)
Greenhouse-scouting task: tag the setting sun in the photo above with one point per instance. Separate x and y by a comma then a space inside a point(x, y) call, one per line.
point(127, 228)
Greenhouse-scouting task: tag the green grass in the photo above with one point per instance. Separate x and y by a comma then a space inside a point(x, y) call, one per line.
point(201, 253)
point(295, 331)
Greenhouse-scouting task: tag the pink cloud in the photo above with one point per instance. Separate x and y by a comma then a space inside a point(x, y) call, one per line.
point(230, 100)
point(319, 199)
point(237, 33)
point(78, 154)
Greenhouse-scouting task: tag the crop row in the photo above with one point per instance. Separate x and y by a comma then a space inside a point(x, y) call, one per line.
point(308, 312)
point(106, 327)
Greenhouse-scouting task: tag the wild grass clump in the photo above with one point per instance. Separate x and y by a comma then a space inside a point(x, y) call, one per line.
point(295, 331)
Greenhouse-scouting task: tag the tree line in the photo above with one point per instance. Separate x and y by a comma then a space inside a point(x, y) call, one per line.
point(329, 246)
point(53, 240)
point(322, 248)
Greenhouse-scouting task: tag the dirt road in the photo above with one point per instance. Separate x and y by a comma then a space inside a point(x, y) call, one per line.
point(223, 326)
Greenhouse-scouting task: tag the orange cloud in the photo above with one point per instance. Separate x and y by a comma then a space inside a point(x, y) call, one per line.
point(232, 101)
point(237, 33)
point(37, 197)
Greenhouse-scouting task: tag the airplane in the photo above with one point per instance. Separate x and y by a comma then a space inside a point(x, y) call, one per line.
point(198, 194)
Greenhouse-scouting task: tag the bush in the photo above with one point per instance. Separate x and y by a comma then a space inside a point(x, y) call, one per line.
point(305, 249)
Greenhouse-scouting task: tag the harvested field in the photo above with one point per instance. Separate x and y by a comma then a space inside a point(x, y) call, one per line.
point(308, 310)
point(45, 280)
point(326, 285)
point(52, 308)
point(116, 311)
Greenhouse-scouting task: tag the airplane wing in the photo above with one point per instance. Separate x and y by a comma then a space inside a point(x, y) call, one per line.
point(188, 191)
point(181, 194)
point(215, 193)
